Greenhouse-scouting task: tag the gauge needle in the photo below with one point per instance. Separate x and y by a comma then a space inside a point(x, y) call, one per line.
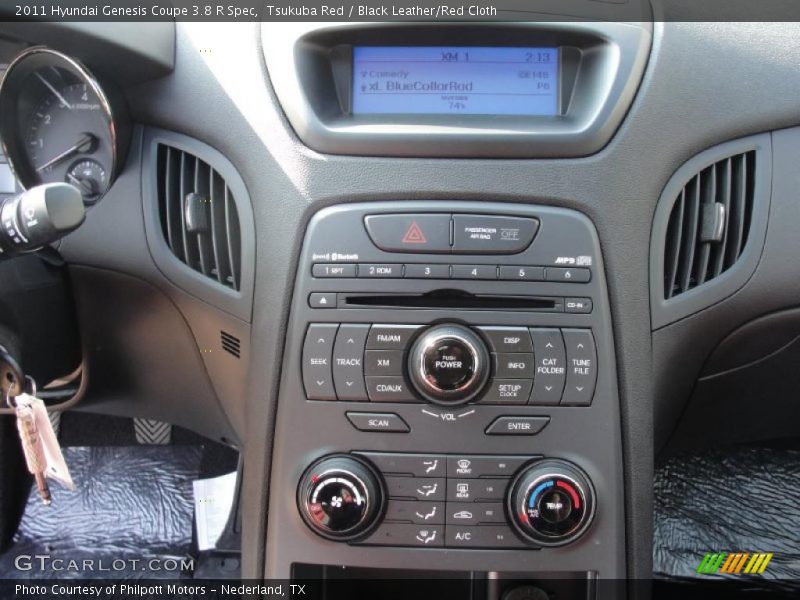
point(55, 91)
point(86, 139)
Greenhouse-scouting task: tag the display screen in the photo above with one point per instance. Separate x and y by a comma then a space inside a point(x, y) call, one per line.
point(455, 80)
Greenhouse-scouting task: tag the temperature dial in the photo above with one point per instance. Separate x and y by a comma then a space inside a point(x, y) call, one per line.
point(89, 177)
point(340, 497)
point(551, 502)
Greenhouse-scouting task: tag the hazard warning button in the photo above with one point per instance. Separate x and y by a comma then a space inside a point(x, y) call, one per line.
point(421, 233)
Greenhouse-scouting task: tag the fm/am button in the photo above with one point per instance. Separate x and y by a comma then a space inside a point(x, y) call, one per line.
point(390, 337)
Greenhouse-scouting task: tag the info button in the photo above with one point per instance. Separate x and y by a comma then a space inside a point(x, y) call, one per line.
point(410, 232)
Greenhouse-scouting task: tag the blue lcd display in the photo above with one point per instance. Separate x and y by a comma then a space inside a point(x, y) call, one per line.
point(455, 80)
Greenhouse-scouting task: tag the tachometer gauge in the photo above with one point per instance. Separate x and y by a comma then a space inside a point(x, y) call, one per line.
point(58, 124)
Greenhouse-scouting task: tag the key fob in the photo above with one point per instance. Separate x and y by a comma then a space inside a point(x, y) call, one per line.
point(11, 376)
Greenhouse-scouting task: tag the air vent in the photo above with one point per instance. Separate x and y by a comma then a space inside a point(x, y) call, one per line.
point(709, 224)
point(199, 218)
point(709, 228)
point(230, 343)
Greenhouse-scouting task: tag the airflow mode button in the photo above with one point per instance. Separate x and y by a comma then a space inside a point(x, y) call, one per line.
point(483, 234)
point(418, 233)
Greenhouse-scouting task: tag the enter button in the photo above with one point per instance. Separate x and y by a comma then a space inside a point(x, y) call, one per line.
point(517, 425)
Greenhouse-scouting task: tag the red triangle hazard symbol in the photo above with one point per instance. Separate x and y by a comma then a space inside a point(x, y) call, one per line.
point(414, 235)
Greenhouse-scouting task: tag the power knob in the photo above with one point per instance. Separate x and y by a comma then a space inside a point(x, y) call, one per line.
point(340, 497)
point(551, 502)
point(448, 364)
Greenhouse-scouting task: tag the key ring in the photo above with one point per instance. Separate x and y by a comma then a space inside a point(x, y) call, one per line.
point(11, 400)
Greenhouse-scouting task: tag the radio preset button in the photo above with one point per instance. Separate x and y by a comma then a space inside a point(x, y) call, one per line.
point(474, 272)
point(390, 337)
point(551, 361)
point(384, 271)
point(508, 339)
point(508, 391)
point(572, 275)
point(414, 271)
point(348, 362)
point(485, 234)
point(424, 233)
point(373, 422)
point(384, 362)
point(333, 270)
point(317, 354)
point(521, 273)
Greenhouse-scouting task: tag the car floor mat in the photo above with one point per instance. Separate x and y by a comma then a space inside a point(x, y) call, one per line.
point(732, 500)
point(131, 516)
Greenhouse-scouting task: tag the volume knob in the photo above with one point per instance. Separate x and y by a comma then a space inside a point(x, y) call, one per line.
point(448, 364)
point(340, 497)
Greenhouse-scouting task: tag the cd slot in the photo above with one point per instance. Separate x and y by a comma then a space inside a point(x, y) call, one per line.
point(453, 299)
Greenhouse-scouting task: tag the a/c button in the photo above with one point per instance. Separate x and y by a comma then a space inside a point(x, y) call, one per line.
point(517, 425)
point(364, 421)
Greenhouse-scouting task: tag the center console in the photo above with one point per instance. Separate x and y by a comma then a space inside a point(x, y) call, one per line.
point(448, 399)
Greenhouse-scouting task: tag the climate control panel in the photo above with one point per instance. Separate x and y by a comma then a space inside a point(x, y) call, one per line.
point(449, 364)
point(451, 501)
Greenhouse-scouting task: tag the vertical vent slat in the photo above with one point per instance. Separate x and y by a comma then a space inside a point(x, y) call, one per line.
point(213, 245)
point(709, 224)
point(707, 193)
point(739, 207)
point(212, 209)
point(724, 196)
point(690, 234)
point(673, 248)
point(183, 190)
point(234, 243)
